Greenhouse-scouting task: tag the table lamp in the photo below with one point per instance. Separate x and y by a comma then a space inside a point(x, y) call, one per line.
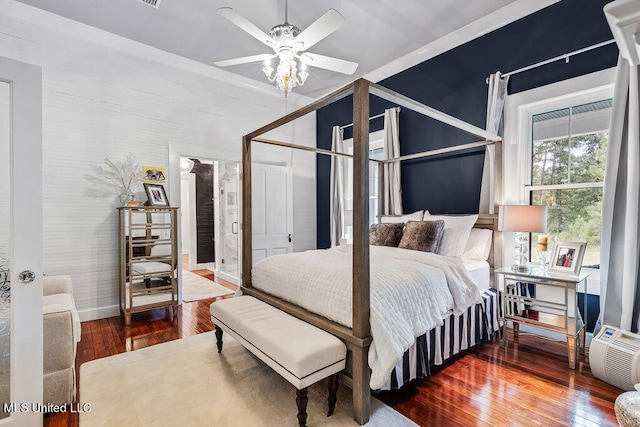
point(522, 219)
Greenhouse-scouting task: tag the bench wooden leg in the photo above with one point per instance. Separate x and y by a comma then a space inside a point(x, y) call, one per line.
point(219, 339)
point(334, 382)
point(301, 401)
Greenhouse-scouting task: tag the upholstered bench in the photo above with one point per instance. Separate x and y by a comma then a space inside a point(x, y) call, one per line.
point(301, 353)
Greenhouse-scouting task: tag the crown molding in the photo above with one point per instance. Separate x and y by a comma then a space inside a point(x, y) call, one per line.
point(501, 17)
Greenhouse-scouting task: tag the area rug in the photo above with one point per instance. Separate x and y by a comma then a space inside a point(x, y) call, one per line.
point(187, 383)
point(196, 287)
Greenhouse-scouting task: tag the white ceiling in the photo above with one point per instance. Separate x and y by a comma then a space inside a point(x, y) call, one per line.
point(377, 31)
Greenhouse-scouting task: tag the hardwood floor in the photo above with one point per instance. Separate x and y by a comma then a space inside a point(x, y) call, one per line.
point(528, 383)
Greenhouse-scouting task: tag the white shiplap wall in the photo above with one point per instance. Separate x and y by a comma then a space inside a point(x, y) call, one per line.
point(100, 101)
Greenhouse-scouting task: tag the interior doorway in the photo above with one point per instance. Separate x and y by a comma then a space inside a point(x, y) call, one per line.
point(210, 200)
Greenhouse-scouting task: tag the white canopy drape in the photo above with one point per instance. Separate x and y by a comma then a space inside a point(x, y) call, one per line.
point(620, 247)
point(392, 189)
point(497, 94)
point(336, 202)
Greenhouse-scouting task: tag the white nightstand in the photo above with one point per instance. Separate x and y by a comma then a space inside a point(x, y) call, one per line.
point(546, 300)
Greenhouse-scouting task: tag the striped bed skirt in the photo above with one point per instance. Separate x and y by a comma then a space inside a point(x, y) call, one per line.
point(458, 333)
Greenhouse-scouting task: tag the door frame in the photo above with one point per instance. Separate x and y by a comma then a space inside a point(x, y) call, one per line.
point(199, 152)
point(26, 237)
point(193, 229)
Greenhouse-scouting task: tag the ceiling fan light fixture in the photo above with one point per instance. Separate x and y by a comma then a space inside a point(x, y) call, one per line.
point(288, 43)
point(267, 69)
point(303, 74)
point(287, 76)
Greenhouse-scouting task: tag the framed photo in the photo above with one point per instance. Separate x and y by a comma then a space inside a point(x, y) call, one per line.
point(567, 257)
point(156, 194)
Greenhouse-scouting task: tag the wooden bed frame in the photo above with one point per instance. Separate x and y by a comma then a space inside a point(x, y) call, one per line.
point(357, 338)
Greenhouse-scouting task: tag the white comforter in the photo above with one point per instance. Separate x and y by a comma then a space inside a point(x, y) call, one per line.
point(411, 293)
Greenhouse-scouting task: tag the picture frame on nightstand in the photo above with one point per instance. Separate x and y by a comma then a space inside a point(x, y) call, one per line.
point(567, 257)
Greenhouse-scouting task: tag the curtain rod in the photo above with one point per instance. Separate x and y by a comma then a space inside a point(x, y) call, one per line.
point(370, 118)
point(566, 57)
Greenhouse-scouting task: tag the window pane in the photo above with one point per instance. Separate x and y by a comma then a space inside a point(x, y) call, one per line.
point(590, 135)
point(573, 215)
point(588, 157)
point(550, 148)
point(569, 145)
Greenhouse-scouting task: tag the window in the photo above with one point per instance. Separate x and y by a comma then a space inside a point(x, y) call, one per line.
point(566, 172)
point(376, 152)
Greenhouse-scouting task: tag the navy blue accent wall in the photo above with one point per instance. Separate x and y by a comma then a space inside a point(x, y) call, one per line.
point(455, 83)
point(593, 309)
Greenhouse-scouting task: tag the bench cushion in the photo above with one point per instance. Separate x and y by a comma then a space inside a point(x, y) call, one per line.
point(301, 353)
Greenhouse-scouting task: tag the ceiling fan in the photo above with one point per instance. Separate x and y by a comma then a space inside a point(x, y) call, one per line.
point(289, 44)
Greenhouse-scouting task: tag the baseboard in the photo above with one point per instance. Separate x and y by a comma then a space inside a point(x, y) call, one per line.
point(226, 276)
point(99, 313)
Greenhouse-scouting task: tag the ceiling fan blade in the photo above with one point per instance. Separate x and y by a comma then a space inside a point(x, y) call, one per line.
point(245, 25)
point(244, 60)
point(321, 28)
point(328, 63)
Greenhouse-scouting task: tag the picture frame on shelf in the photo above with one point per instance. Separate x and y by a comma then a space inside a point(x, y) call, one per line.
point(156, 194)
point(567, 257)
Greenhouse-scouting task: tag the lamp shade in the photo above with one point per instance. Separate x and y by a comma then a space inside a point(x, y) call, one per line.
point(523, 218)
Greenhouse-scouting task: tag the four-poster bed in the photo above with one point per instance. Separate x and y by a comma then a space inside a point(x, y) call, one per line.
point(358, 337)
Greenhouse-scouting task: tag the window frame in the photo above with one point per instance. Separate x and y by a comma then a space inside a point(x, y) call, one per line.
point(543, 107)
point(517, 146)
point(376, 141)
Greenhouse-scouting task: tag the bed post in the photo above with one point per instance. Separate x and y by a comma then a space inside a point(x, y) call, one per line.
point(247, 231)
point(361, 307)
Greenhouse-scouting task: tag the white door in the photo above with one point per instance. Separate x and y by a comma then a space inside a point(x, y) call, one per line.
point(20, 243)
point(272, 210)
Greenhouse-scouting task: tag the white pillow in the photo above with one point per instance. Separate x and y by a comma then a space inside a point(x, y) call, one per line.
point(478, 245)
point(456, 232)
point(392, 219)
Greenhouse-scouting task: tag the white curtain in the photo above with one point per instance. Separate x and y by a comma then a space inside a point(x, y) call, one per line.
point(620, 251)
point(392, 190)
point(336, 203)
point(497, 94)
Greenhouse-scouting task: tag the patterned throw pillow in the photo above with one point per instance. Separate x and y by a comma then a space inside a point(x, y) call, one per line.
point(422, 236)
point(386, 234)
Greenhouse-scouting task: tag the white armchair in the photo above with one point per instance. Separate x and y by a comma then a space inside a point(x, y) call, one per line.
point(61, 336)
